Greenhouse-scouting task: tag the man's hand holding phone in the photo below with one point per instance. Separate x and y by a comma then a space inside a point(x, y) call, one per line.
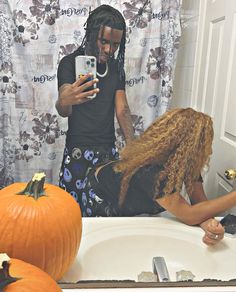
point(86, 85)
point(86, 66)
point(72, 94)
point(82, 90)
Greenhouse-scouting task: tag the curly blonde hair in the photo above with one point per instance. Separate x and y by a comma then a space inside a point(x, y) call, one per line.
point(180, 141)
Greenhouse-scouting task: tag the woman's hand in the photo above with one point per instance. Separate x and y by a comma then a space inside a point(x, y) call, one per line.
point(214, 231)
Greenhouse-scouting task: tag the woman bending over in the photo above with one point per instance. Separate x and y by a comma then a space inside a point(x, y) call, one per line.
point(152, 171)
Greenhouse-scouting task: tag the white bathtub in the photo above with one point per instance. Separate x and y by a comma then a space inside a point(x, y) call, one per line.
point(121, 248)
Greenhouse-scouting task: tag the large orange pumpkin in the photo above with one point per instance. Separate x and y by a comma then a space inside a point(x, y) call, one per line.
point(40, 225)
point(18, 276)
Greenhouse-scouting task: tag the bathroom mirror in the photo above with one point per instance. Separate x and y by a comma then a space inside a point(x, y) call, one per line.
point(30, 131)
point(204, 79)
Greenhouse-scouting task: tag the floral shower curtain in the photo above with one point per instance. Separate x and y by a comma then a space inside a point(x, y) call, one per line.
point(35, 35)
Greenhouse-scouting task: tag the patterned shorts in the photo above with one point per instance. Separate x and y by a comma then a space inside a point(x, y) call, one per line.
point(76, 164)
point(93, 204)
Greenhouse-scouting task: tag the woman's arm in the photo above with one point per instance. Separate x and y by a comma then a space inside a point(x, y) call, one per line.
point(198, 194)
point(214, 231)
point(198, 213)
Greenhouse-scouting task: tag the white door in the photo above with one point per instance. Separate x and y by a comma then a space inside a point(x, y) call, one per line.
point(215, 88)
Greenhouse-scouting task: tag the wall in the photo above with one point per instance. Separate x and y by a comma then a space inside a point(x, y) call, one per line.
point(185, 65)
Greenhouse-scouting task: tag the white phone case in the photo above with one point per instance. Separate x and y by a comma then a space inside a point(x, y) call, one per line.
point(85, 65)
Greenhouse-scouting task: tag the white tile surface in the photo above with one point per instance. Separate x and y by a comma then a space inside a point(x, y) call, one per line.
point(186, 55)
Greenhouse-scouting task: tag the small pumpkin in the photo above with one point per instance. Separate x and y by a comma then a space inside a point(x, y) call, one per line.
point(41, 224)
point(18, 276)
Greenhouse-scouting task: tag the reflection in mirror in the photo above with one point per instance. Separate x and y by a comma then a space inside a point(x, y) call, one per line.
point(121, 249)
point(116, 251)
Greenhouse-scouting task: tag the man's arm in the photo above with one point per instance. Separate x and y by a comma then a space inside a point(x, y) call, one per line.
point(123, 115)
point(63, 109)
point(71, 94)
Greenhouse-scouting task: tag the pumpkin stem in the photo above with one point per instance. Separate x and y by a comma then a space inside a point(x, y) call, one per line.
point(5, 278)
point(35, 188)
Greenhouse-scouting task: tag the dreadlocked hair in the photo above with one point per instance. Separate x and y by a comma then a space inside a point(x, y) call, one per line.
point(180, 141)
point(104, 15)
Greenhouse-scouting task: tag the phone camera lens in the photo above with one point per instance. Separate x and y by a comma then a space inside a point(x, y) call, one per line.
point(88, 62)
point(92, 60)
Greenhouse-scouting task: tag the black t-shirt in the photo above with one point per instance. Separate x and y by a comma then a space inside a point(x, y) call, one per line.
point(140, 195)
point(92, 123)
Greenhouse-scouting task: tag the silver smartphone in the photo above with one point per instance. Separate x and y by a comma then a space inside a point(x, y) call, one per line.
point(85, 65)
